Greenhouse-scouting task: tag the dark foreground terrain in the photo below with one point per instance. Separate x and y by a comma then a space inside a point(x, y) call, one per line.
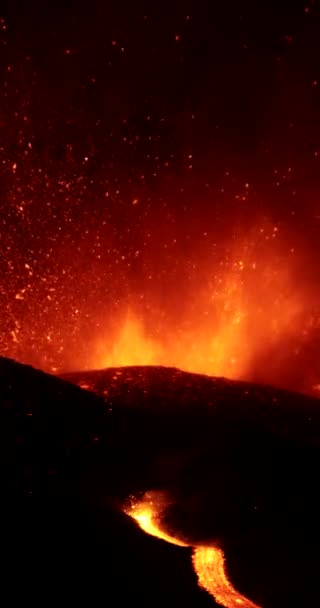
point(240, 463)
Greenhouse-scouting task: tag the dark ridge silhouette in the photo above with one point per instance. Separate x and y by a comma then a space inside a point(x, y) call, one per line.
point(239, 461)
point(59, 539)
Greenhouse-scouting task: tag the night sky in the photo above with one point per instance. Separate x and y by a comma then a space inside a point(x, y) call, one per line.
point(146, 150)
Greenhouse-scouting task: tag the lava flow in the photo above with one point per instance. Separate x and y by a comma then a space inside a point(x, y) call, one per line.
point(208, 562)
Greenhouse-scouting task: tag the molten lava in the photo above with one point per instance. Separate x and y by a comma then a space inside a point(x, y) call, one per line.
point(208, 562)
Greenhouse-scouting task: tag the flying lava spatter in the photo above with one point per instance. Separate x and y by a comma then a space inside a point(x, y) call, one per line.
point(230, 318)
point(208, 562)
point(159, 184)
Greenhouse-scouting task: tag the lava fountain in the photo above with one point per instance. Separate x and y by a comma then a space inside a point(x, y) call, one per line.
point(208, 562)
point(242, 307)
point(230, 317)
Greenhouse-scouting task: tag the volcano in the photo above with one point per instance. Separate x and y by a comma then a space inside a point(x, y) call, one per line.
point(237, 462)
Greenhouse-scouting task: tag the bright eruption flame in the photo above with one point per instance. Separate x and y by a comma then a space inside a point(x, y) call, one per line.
point(241, 307)
point(208, 562)
point(221, 324)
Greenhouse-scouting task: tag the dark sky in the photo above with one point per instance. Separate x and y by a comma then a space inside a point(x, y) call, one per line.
point(139, 139)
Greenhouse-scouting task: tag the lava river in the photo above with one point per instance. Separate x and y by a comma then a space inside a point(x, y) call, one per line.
point(208, 562)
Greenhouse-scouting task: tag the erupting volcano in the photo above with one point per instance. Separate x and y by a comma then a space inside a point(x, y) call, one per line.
point(246, 312)
point(228, 322)
point(160, 248)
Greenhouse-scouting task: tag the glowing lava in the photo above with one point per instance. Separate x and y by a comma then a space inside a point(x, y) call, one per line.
point(146, 513)
point(208, 562)
point(226, 322)
point(238, 307)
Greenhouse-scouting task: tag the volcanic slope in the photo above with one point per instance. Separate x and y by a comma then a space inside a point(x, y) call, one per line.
point(239, 462)
point(58, 537)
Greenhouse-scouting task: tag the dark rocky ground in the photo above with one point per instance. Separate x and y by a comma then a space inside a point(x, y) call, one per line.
point(63, 539)
point(240, 462)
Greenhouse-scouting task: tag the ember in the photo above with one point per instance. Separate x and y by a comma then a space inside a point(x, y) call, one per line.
point(160, 192)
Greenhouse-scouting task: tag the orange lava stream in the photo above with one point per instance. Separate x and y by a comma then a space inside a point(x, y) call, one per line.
point(144, 513)
point(208, 562)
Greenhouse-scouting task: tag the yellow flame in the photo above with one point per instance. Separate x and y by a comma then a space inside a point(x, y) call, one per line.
point(219, 325)
point(208, 562)
point(132, 346)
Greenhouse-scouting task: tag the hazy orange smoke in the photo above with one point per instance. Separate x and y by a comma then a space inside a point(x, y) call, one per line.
point(233, 313)
point(241, 307)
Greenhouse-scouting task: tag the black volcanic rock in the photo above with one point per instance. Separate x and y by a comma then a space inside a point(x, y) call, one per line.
point(58, 538)
point(94, 555)
point(49, 430)
point(239, 461)
point(162, 391)
point(164, 418)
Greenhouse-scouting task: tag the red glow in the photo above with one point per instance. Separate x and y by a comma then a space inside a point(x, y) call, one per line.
point(230, 318)
point(160, 189)
point(246, 313)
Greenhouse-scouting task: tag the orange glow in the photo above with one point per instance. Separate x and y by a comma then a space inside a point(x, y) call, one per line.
point(146, 513)
point(132, 346)
point(208, 562)
point(222, 324)
point(241, 306)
